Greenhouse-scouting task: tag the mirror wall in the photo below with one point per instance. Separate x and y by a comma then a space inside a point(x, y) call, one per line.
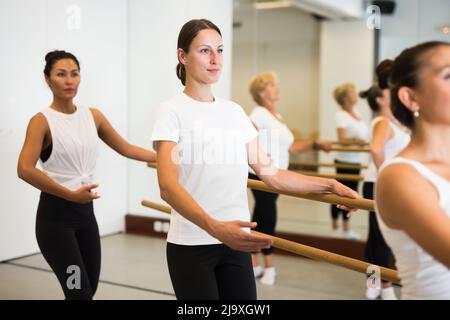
point(313, 48)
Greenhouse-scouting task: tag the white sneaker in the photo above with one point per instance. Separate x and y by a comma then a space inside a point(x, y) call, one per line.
point(268, 277)
point(373, 293)
point(351, 235)
point(388, 294)
point(258, 271)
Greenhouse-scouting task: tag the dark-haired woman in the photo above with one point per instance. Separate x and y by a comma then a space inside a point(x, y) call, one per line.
point(388, 138)
point(64, 137)
point(205, 145)
point(413, 189)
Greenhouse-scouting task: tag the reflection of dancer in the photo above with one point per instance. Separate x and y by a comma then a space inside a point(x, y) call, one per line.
point(351, 129)
point(65, 139)
point(277, 141)
point(205, 145)
point(388, 139)
point(413, 189)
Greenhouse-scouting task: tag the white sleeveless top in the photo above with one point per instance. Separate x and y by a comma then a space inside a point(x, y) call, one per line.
point(392, 147)
point(422, 276)
point(74, 147)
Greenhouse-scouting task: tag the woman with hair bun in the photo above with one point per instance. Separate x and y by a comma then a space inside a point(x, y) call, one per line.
point(388, 138)
point(413, 189)
point(64, 138)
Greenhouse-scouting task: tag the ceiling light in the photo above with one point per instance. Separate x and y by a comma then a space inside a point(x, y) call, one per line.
point(271, 5)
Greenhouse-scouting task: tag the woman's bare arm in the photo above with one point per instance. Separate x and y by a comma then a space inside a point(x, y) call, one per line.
point(408, 202)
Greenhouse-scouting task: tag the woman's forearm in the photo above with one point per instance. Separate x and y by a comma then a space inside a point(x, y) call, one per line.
point(300, 146)
point(41, 181)
point(294, 182)
point(182, 202)
point(140, 154)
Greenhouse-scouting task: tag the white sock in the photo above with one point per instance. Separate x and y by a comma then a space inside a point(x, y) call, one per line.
point(258, 271)
point(388, 294)
point(268, 277)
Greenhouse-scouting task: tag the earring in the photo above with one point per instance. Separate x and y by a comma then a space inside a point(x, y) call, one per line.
point(416, 114)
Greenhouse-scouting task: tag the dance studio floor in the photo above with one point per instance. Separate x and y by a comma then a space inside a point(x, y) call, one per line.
point(134, 267)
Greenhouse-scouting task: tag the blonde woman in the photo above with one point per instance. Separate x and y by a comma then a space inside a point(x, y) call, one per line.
point(277, 141)
point(351, 129)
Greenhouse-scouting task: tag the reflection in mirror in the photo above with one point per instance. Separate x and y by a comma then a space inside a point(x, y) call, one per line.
point(286, 40)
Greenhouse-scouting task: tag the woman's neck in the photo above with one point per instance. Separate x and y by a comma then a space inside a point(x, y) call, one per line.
point(385, 112)
point(270, 106)
point(348, 108)
point(197, 91)
point(62, 105)
point(429, 143)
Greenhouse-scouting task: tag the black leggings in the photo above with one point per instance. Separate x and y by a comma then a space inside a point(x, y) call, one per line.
point(68, 236)
point(210, 272)
point(264, 212)
point(377, 251)
point(351, 184)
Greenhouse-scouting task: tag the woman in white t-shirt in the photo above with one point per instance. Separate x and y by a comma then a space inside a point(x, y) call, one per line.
point(351, 129)
point(413, 189)
point(205, 145)
point(388, 138)
point(277, 141)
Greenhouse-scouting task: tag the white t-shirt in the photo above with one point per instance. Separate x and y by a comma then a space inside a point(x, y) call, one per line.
point(274, 136)
point(392, 147)
point(354, 129)
point(211, 140)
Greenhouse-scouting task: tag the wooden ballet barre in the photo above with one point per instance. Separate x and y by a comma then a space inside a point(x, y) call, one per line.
point(321, 164)
point(347, 143)
point(333, 258)
point(307, 251)
point(349, 149)
point(337, 176)
point(156, 206)
point(360, 203)
point(343, 146)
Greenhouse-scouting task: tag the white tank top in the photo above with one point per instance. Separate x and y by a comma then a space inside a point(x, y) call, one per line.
point(423, 277)
point(74, 147)
point(392, 147)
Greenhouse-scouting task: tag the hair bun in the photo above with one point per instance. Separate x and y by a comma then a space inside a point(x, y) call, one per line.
point(364, 94)
point(383, 72)
point(49, 55)
point(53, 56)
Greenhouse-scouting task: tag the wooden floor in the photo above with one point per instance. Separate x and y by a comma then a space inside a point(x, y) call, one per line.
point(134, 267)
